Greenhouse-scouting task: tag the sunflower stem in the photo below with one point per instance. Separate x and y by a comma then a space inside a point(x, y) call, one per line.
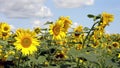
point(18, 65)
point(78, 63)
point(89, 34)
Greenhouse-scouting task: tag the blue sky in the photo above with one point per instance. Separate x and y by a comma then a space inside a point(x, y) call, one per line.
point(32, 13)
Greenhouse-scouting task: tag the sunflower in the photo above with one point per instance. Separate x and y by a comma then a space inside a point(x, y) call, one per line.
point(115, 44)
point(98, 32)
point(95, 44)
point(61, 55)
point(118, 55)
point(26, 41)
point(78, 30)
point(107, 18)
point(5, 27)
point(66, 21)
point(79, 46)
point(4, 35)
point(57, 31)
point(4, 30)
point(37, 30)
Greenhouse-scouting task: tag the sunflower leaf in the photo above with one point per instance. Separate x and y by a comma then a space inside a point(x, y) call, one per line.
point(90, 16)
point(2, 42)
point(41, 59)
point(48, 22)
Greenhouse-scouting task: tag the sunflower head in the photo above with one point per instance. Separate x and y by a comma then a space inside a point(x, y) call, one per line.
point(4, 30)
point(79, 46)
point(5, 35)
point(106, 18)
point(66, 21)
point(61, 55)
point(57, 31)
point(26, 41)
point(37, 30)
point(78, 30)
point(5, 27)
point(118, 55)
point(115, 44)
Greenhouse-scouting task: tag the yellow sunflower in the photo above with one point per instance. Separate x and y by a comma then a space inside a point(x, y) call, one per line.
point(61, 55)
point(26, 41)
point(79, 46)
point(37, 30)
point(57, 31)
point(118, 55)
point(5, 27)
point(107, 18)
point(115, 44)
point(4, 35)
point(78, 29)
point(4, 30)
point(66, 21)
point(98, 32)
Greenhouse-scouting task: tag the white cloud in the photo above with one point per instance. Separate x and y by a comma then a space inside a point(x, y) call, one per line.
point(12, 27)
point(24, 8)
point(106, 31)
point(39, 23)
point(73, 3)
point(75, 24)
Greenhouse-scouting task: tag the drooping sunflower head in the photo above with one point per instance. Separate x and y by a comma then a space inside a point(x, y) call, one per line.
point(37, 30)
point(66, 21)
point(26, 42)
point(106, 18)
point(57, 31)
point(78, 30)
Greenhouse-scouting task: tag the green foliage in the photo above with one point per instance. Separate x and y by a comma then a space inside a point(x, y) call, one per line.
point(91, 48)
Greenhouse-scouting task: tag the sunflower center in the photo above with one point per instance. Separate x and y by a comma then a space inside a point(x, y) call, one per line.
point(77, 34)
point(4, 34)
point(66, 24)
point(6, 28)
point(56, 30)
point(115, 44)
point(26, 42)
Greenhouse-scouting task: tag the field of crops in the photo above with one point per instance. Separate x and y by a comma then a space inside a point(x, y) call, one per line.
point(59, 47)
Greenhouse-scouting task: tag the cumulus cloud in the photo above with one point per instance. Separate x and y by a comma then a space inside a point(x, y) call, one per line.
point(39, 23)
point(75, 24)
point(73, 3)
point(12, 27)
point(24, 8)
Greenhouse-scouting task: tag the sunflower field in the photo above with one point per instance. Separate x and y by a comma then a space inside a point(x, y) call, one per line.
point(59, 47)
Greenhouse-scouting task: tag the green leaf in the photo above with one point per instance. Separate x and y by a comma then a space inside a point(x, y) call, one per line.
point(48, 22)
point(10, 58)
point(91, 57)
point(44, 29)
point(86, 29)
point(90, 16)
point(73, 52)
point(97, 17)
point(33, 59)
point(2, 42)
point(41, 59)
